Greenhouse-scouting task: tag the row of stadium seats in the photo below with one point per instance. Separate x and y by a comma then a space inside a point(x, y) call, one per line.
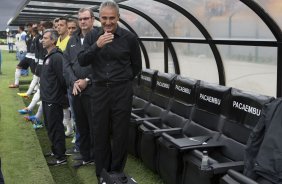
point(174, 119)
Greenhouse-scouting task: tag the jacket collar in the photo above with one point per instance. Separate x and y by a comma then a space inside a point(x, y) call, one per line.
point(53, 51)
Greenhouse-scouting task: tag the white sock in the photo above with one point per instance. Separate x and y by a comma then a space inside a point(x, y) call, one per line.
point(17, 76)
point(32, 84)
point(69, 127)
point(72, 122)
point(36, 87)
point(35, 99)
point(66, 117)
point(39, 112)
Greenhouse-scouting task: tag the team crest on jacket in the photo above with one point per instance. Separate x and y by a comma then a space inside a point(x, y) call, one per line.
point(47, 61)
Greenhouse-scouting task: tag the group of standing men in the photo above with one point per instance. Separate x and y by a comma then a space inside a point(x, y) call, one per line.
point(97, 66)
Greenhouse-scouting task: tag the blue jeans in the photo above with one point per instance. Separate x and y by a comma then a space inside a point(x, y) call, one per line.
point(24, 72)
point(11, 47)
point(21, 56)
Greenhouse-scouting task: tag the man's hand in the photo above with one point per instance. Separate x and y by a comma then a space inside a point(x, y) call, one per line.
point(82, 83)
point(76, 88)
point(104, 39)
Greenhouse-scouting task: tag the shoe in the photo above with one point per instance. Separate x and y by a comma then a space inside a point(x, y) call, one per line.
point(72, 151)
point(37, 126)
point(49, 154)
point(13, 86)
point(80, 163)
point(101, 180)
point(30, 118)
point(24, 95)
point(77, 157)
point(56, 162)
point(35, 120)
point(37, 123)
point(24, 111)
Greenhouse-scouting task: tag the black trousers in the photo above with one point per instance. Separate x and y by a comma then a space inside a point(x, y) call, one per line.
point(27, 62)
point(82, 111)
point(111, 107)
point(53, 119)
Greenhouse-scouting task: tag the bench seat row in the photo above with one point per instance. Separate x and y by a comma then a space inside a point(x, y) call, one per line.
point(174, 119)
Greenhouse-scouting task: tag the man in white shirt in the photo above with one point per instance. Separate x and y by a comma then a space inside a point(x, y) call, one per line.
point(10, 42)
point(20, 43)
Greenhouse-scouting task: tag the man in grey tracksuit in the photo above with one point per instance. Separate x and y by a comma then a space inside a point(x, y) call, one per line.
point(79, 80)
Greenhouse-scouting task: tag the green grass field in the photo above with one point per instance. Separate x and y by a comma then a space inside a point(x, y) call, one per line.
point(3, 41)
point(22, 148)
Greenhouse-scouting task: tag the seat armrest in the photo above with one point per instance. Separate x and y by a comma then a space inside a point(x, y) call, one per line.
point(168, 135)
point(234, 176)
point(135, 116)
point(137, 110)
point(151, 119)
point(219, 168)
point(187, 141)
point(190, 143)
point(150, 128)
point(208, 144)
point(158, 132)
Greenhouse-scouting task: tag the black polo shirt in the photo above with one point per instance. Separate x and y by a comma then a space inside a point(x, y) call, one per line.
point(117, 61)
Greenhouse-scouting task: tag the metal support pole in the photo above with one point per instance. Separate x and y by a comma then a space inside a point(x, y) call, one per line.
point(279, 70)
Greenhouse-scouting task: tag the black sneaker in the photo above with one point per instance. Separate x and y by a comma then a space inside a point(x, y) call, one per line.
point(49, 154)
point(56, 162)
point(100, 180)
point(72, 151)
point(80, 163)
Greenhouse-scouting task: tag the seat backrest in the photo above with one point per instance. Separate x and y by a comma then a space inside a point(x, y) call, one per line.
point(161, 95)
point(184, 96)
point(181, 103)
point(147, 84)
point(207, 117)
point(242, 114)
point(163, 89)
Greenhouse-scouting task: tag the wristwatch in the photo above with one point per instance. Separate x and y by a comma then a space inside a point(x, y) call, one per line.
point(88, 81)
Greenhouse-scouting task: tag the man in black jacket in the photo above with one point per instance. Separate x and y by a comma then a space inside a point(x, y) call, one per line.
point(78, 80)
point(53, 91)
point(115, 57)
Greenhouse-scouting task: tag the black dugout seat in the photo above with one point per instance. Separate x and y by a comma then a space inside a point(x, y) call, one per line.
point(205, 123)
point(172, 120)
point(158, 106)
point(143, 88)
point(160, 97)
point(242, 114)
point(142, 94)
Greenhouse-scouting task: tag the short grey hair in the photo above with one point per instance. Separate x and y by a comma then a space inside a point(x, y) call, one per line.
point(110, 3)
point(54, 34)
point(81, 10)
